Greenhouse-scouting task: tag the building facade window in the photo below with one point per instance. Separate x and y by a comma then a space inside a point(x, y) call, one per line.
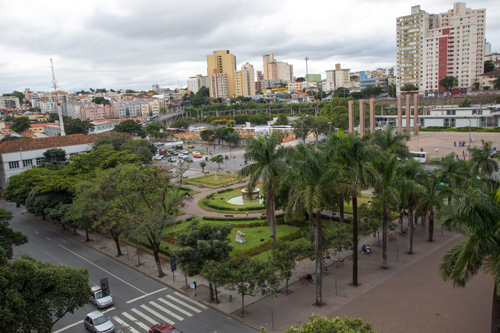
point(14, 165)
point(27, 163)
point(39, 160)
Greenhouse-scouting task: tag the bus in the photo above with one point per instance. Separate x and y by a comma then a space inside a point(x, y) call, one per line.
point(420, 156)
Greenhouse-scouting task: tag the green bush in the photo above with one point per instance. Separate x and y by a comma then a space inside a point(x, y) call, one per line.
point(242, 218)
point(209, 196)
point(225, 190)
point(251, 208)
point(189, 218)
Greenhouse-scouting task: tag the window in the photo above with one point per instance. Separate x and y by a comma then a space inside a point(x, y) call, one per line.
point(27, 163)
point(14, 165)
point(39, 160)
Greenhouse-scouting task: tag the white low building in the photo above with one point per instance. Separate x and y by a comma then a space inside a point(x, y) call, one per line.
point(19, 155)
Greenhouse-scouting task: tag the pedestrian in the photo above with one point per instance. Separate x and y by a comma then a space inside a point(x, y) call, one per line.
point(309, 278)
point(437, 149)
point(399, 222)
point(455, 143)
point(464, 157)
point(457, 156)
point(324, 264)
point(463, 152)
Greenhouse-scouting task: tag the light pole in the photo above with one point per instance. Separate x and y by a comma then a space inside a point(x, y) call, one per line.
point(335, 263)
point(234, 160)
point(218, 204)
point(263, 239)
point(470, 139)
point(272, 309)
point(21, 152)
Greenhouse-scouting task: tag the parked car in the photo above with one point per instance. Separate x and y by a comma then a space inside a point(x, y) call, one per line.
point(188, 159)
point(172, 160)
point(197, 155)
point(98, 323)
point(159, 144)
point(179, 147)
point(191, 147)
point(157, 157)
point(196, 152)
point(163, 328)
point(172, 152)
point(98, 299)
point(184, 152)
point(182, 156)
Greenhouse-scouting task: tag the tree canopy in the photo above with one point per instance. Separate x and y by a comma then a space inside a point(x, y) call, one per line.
point(100, 100)
point(20, 124)
point(9, 237)
point(131, 127)
point(77, 126)
point(448, 82)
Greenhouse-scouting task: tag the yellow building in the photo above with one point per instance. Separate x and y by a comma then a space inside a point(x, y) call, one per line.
point(221, 70)
point(245, 80)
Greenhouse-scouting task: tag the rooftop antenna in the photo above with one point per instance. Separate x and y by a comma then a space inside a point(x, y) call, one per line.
point(59, 110)
point(307, 74)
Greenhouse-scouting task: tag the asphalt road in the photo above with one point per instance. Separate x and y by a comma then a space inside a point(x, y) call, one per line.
point(139, 301)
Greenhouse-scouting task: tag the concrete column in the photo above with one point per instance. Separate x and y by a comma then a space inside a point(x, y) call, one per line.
point(408, 113)
point(361, 117)
point(415, 114)
point(400, 114)
point(351, 116)
point(372, 115)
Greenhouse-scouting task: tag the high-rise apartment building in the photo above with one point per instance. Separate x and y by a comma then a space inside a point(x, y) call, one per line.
point(196, 82)
point(336, 78)
point(276, 70)
point(245, 80)
point(221, 69)
point(432, 46)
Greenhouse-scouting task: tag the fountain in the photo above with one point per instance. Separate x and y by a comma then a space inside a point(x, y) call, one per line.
point(250, 194)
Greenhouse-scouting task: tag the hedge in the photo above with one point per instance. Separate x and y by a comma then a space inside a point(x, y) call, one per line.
point(251, 208)
point(225, 190)
point(243, 218)
point(209, 196)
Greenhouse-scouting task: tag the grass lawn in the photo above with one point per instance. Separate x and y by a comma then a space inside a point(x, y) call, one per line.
point(263, 255)
point(254, 235)
point(227, 208)
point(209, 180)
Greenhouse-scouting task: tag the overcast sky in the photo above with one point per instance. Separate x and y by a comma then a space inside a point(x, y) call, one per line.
point(129, 44)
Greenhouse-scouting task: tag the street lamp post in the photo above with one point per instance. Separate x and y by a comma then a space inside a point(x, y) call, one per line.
point(272, 309)
point(335, 263)
point(234, 160)
point(263, 239)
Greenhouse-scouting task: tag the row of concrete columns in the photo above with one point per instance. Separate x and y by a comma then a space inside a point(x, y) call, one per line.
point(372, 114)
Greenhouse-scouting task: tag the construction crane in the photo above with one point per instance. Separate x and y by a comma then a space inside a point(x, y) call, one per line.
point(59, 110)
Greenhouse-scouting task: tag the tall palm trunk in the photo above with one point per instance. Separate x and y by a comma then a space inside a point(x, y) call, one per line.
point(311, 223)
point(410, 226)
point(495, 312)
point(385, 227)
point(354, 241)
point(270, 211)
point(341, 207)
point(431, 226)
point(319, 252)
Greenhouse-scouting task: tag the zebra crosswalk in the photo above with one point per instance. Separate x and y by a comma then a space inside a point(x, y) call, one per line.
point(169, 309)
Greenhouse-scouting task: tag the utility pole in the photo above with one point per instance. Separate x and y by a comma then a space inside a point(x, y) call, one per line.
point(307, 74)
point(59, 110)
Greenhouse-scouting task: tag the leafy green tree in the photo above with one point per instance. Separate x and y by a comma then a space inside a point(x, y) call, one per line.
point(217, 159)
point(154, 126)
point(303, 126)
point(54, 156)
point(259, 119)
point(341, 92)
point(391, 90)
point(203, 165)
point(181, 123)
point(320, 125)
point(481, 161)
point(207, 135)
point(196, 100)
point(100, 100)
point(430, 203)
point(144, 193)
point(77, 126)
point(450, 172)
point(448, 82)
point(300, 79)
point(140, 147)
point(35, 295)
point(245, 275)
point(201, 243)
point(19, 186)
point(284, 256)
point(129, 91)
point(17, 94)
point(282, 120)
point(39, 203)
point(9, 237)
point(20, 124)
point(268, 163)
point(496, 82)
point(54, 116)
point(335, 325)
point(474, 213)
point(116, 139)
point(465, 103)
point(131, 127)
point(489, 66)
point(409, 87)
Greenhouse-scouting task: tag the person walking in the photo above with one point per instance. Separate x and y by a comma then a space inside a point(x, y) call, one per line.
point(324, 264)
point(437, 149)
point(455, 143)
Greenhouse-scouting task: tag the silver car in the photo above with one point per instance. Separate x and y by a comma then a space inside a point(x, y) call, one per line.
point(99, 300)
point(98, 323)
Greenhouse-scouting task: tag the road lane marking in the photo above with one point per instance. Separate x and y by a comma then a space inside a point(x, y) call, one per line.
point(69, 326)
point(36, 231)
point(189, 314)
point(51, 256)
point(190, 300)
point(124, 324)
point(47, 238)
point(146, 328)
point(110, 309)
point(161, 316)
point(182, 303)
point(90, 262)
point(140, 297)
point(151, 320)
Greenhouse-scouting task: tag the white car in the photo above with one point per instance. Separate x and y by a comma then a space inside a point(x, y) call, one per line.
point(157, 157)
point(98, 323)
point(98, 299)
point(182, 156)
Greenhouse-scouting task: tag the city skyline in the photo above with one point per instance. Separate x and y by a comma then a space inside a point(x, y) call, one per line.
point(130, 45)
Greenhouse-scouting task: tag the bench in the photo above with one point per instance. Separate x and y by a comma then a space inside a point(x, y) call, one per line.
point(228, 171)
point(392, 237)
point(228, 215)
point(338, 262)
point(263, 214)
point(303, 278)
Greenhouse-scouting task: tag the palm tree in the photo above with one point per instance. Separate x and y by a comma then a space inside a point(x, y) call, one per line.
point(431, 202)
point(311, 169)
point(390, 142)
point(481, 161)
point(269, 163)
point(353, 153)
point(474, 214)
point(388, 193)
point(451, 172)
point(411, 174)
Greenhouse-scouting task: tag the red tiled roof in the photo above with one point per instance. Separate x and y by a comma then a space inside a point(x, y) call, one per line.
point(47, 143)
